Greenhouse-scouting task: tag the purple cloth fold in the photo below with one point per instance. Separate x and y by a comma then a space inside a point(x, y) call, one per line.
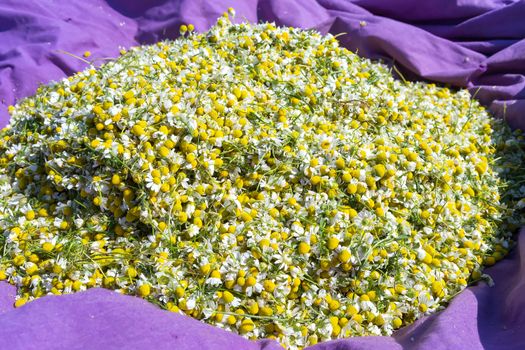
point(475, 44)
point(102, 319)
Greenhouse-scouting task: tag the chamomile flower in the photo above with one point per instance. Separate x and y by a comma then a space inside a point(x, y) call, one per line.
point(262, 179)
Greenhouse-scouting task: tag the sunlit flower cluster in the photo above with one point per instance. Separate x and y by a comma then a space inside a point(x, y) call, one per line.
point(261, 179)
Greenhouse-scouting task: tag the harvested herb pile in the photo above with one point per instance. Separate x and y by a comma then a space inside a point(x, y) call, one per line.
point(261, 179)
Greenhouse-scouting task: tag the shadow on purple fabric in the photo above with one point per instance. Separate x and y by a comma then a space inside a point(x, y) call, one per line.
point(477, 44)
point(134, 8)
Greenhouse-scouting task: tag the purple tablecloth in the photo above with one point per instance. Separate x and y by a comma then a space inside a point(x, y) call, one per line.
point(477, 44)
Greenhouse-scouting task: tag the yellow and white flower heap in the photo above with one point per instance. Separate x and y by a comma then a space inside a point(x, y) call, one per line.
point(261, 179)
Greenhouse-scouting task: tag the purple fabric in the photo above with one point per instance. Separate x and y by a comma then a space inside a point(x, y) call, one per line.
point(101, 319)
point(477, 44)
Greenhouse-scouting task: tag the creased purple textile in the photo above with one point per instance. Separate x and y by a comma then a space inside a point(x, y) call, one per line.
point(479, 44)
point(101, 319)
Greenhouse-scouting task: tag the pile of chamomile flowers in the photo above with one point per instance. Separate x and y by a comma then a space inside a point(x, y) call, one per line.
point(261, 179)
